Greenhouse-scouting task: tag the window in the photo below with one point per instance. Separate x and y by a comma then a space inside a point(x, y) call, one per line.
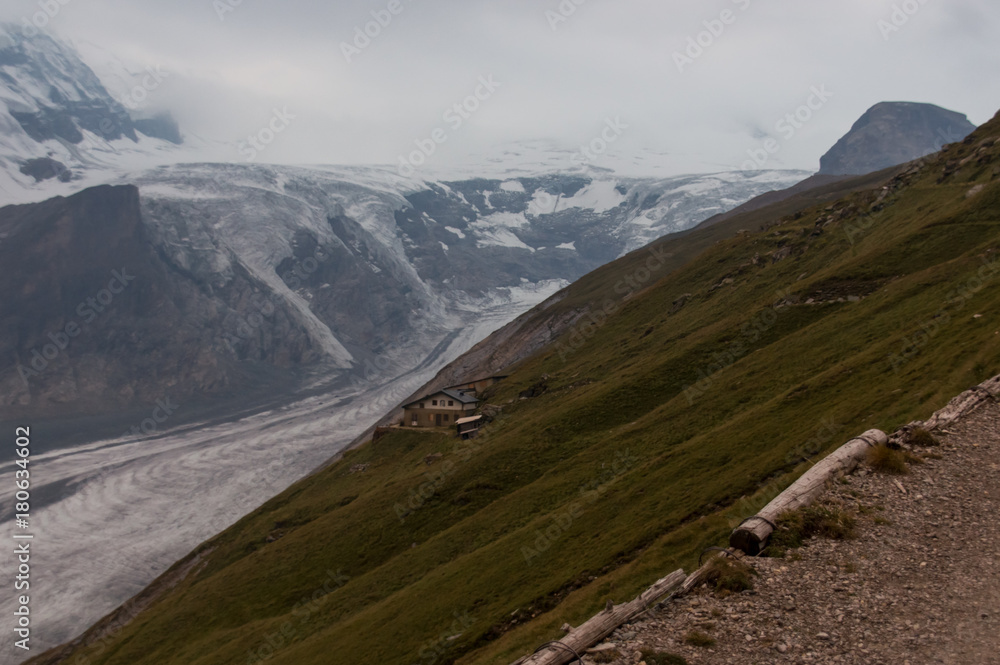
point(451, 402)
point(446, 417)
point(434, 402)
point(421, 405)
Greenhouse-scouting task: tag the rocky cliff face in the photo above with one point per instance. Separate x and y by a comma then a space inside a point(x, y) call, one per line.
point(95, 317)
point(892, 133)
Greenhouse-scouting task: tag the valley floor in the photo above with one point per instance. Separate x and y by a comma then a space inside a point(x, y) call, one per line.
point(919, 585)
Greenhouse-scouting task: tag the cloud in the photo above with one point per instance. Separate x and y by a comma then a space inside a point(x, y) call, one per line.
point(561, 79)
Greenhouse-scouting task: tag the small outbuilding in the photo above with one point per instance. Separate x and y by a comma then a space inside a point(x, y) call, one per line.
point(468, 428)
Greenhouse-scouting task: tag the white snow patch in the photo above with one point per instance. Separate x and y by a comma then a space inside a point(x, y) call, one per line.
point(509, 220)
point(500, 238)
point(444, 246)
point(542, 203)
point(567, 245)
point(599, 196)
point(457, 232)
point(512, 186)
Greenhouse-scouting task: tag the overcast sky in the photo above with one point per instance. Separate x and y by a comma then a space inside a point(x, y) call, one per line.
point(560, 80)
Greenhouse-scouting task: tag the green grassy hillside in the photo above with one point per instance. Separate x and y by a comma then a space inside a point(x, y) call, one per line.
point(655, 425)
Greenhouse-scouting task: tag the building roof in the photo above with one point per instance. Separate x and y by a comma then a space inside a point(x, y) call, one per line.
point(464, 398)
point(460, 397)
point(470, 419)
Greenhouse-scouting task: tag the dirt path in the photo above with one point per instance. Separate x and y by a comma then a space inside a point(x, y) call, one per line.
point(920, 584)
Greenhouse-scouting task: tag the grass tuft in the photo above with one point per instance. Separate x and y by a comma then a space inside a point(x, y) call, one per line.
point(797, 526)
point(727, 574)
point(661, 658)
point(886, 460)
point(696, 638)
point(923, 438)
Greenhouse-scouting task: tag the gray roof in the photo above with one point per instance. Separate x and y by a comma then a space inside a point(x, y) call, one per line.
point(464, 398)
point(461, 397)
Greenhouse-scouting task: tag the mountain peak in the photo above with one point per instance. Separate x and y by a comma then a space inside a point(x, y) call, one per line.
point(892, 133)
point(54, 95)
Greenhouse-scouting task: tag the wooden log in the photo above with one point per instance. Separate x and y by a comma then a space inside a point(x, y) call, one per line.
point(603, 624)
point(751, 536)
point(962, 404)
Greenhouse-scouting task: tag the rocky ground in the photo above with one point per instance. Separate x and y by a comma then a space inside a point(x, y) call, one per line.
point(920, 582)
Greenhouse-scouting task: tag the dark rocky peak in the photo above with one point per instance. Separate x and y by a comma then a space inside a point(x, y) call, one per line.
point(893, 133)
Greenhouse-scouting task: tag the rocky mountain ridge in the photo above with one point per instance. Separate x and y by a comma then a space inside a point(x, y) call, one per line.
point(893, 133)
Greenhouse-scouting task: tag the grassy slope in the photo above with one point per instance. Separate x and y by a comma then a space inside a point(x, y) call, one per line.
point(627, 477)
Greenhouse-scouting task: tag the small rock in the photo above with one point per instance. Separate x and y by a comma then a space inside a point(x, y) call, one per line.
point(601, 648)
point(823, 636)
point(782, 648)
